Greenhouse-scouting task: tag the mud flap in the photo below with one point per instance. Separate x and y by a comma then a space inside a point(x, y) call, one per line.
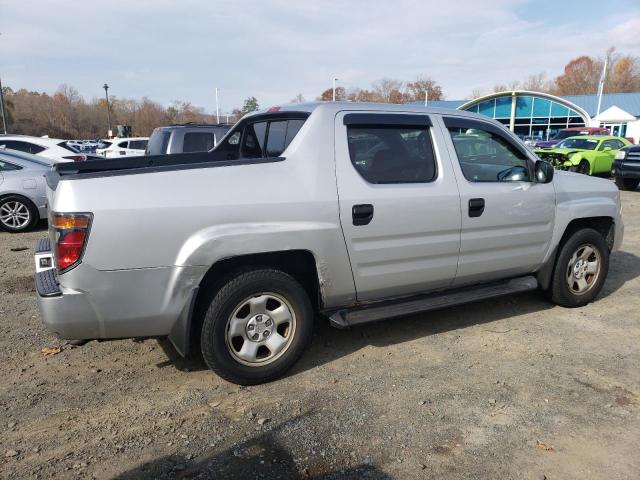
point(181, 331)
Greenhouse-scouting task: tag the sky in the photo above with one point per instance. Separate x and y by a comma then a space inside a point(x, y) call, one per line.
point(274, 49)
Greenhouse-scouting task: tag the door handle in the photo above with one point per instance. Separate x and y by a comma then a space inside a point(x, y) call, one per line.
point(362, 214)
point(476, 207)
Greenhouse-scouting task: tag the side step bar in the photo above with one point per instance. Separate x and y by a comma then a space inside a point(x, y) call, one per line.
point(408, 306)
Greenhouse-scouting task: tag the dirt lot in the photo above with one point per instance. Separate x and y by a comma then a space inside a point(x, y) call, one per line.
point(514, 388)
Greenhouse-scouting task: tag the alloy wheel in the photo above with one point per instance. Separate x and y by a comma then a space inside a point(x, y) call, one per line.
point(260, 329)
point(583, 269)
point(14, 215)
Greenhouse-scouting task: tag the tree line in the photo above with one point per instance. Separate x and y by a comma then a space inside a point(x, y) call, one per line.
point(66, 114)
point(581, 76)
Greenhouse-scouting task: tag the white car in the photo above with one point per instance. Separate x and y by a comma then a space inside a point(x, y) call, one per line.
point(124, 147)
point(52, 148)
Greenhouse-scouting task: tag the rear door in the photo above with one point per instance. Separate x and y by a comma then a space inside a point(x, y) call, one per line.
point(399, 204)
point(507, 218)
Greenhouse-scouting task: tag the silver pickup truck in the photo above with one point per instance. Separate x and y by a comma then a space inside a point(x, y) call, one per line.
point(345, 211)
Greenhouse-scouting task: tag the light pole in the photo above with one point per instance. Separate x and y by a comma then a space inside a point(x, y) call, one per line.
point(217, 108)
point(3, 110)
point(106, 94)
point(334, 88)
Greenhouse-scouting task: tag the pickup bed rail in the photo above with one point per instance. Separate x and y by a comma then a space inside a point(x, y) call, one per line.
point(146, 164)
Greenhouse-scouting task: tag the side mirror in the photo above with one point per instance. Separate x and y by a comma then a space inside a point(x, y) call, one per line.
point(544, 172)
point(606, 149)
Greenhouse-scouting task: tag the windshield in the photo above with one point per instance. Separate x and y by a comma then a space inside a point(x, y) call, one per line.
point(71, 148)
point(581, 143)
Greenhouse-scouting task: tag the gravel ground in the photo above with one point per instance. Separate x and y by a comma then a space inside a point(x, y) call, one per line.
point(509, 388)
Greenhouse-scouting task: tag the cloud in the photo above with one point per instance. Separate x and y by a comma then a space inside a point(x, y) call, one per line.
point(183, 50)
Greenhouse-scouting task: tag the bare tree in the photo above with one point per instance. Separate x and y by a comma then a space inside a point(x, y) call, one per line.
point(417, 90)
point(389, 90)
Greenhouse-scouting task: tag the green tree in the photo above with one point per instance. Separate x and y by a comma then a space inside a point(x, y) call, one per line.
point(250, 105)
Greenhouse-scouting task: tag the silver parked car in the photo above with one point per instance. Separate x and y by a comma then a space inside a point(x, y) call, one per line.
point(23, 200)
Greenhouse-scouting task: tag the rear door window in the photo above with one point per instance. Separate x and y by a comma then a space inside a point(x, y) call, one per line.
point(198, 142)
point(392, 153)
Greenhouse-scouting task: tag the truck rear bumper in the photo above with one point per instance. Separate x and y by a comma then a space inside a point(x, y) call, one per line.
point(85, 303)
point(68, 315)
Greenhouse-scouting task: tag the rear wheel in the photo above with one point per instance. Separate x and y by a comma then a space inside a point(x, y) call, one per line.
point(257, 326)
point(17, 214)
point(627, 183)
point(581, 269)
point(584, 167)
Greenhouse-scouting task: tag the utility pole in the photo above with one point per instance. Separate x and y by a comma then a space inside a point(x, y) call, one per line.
point(334, 88)
point(106, 94)
point(217, 108)
point(3, 110)
point(426, 97)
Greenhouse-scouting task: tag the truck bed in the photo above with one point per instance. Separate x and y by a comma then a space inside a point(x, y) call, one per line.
point(143, 164)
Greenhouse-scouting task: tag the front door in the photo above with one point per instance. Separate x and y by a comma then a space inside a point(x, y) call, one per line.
point(507, 218)
point(399, 203)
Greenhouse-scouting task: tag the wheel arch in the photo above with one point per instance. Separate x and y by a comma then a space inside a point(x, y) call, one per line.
point(300, 264)
point(603, 224)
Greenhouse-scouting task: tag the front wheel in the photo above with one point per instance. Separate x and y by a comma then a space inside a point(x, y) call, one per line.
point(257, 326)
point(584, 167)
point(627, 183)
point(581, 269)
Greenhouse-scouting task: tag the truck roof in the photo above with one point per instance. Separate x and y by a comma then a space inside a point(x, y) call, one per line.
point(339, 106)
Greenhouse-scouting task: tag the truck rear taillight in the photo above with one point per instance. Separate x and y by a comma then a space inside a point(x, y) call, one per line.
point(71, 231)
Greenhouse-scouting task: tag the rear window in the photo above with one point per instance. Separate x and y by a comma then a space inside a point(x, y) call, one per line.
point(260, 137)
point(68, 146)
point(198, 142)
point(159, 142)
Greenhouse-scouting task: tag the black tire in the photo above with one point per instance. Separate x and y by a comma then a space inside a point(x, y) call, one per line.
point(234, 291)
point(583, 167)
point(33, 220)
point(560, 292)
point(627, 183)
